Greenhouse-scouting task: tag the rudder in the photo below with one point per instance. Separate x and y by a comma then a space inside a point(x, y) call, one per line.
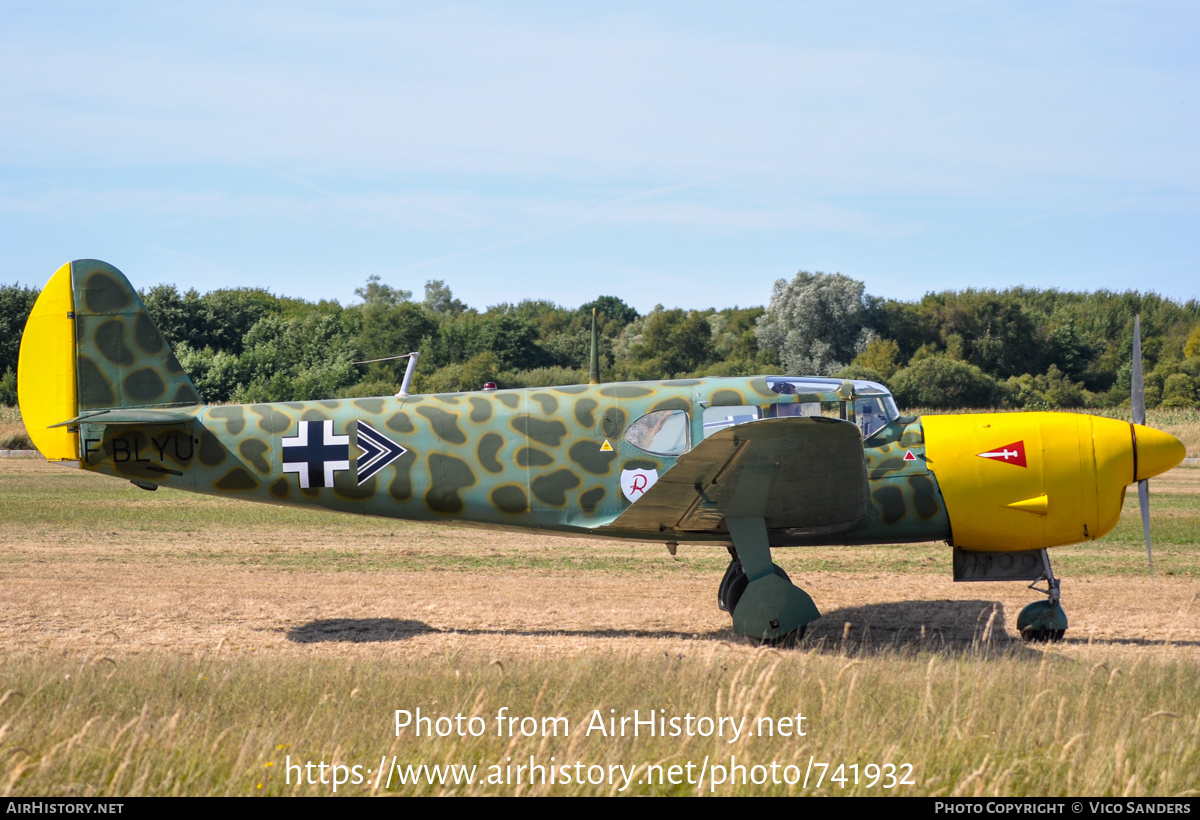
point(90, 346)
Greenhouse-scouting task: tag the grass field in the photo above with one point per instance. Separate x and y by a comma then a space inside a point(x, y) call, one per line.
point(160, 643)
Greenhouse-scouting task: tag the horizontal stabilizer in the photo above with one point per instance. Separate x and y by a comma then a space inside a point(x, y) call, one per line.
point(133, 416)
point(800, 473)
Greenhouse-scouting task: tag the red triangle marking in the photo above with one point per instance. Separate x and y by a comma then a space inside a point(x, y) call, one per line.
point(1009, 454)
point(908, 456)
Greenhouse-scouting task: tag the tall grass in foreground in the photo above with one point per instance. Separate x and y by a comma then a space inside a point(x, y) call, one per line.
point(970, 723)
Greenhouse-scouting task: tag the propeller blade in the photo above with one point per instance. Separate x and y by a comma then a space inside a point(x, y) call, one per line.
point(1144, 503)
point(1137, 385)
point(1138, 400)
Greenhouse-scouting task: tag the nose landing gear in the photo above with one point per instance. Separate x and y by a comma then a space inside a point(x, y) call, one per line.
point(1044, 621)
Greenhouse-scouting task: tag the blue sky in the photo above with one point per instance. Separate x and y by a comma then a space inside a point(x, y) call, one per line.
point(687, 154)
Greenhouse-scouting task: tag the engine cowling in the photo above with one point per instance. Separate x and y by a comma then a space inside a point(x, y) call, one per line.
point(1018, 481)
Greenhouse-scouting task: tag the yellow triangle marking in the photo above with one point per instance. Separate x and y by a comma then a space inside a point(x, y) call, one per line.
point(606, 447)
point(1038, 505)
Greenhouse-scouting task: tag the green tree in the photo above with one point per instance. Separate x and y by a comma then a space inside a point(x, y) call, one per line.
point(1191, 348)
point(216, 375)
point(666, 344)
point(439, 299)
point(881, 356)
point(182, 319)
point(513, 341)
point(229, 314)
point(735, 337)
point(297, 359)
point(816, 323)
point(472, 374)
point(392, 329)
point(609, 309)
point(990, 330)
point(1180, 390)
point(16, 302)
point(1051, 391)
point(376, 292)
point(8, 387)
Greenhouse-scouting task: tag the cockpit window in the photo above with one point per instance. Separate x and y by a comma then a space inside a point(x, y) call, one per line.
point(873, 406)
point(870, 414)
point(663, 432)
point(798, 408)
point(718, 418)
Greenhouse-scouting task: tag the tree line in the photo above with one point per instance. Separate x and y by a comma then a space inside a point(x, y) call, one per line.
point(1021, 348)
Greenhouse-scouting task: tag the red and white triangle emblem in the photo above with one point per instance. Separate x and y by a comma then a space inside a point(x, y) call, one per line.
point(1010, 454)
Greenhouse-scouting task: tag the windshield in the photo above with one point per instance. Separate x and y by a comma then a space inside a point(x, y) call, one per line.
point(873, 405)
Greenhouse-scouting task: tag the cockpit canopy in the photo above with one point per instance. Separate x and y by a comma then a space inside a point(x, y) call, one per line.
point(871, 406)
point(867, 404)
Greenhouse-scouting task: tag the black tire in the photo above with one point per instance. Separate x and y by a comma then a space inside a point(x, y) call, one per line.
point(734, 584)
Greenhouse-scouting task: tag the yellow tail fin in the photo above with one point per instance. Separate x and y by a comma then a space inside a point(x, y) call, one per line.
point(46, 382)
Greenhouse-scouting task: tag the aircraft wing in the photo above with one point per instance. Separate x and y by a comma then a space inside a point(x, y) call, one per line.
point(796, 473)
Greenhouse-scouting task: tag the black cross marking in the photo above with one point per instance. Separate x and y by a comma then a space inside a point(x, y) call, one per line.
point(315, 454)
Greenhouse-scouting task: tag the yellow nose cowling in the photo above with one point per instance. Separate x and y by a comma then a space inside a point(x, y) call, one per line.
point(1017, 481)
point(1156, 452)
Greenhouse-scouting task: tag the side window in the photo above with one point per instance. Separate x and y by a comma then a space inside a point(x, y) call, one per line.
point(718, 418)
point(807, 408)
point(663, 432)
point(870, 415)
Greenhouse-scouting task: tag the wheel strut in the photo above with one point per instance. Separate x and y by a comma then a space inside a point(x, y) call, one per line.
point(1044, 621)
point(764, 603)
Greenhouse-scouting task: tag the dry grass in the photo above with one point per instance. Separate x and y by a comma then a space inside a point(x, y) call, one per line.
point(977, 722)
point(13, 435)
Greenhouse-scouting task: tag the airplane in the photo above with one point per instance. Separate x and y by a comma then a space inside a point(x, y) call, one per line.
point(750, 463)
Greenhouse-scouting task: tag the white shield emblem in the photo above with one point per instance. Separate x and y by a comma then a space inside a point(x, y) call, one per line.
point(634, 483)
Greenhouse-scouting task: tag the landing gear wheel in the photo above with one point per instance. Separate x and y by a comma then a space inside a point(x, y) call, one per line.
point(763, 601)
point(734, 584)
point(1044, 621)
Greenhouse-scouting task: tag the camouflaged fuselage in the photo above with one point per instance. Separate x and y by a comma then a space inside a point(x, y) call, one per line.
point(539, 458)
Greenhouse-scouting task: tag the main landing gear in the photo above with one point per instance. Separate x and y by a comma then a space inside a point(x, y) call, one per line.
point(764, 603)
point(1044, 621)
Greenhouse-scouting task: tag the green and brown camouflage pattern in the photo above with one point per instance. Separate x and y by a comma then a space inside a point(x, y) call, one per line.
point(521, 459)
point(121, 360)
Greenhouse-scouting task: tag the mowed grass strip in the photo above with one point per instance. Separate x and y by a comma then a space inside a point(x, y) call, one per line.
point(972, 722)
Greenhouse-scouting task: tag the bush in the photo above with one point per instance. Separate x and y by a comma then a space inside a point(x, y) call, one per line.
point(8, 388)
point(942, 383)
point(1180, 390)
point(1051, 391)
